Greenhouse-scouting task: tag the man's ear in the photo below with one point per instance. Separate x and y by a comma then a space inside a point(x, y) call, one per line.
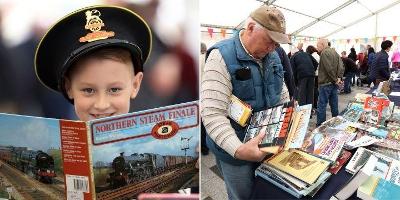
point(251, 26)
point(67, 85)
point(137, 81)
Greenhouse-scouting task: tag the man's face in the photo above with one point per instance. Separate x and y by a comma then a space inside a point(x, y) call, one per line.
point(102, 88)
point(261, 43)
point(319, 46)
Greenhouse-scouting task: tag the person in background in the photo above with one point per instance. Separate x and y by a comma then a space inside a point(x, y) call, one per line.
point(330, 72)
point(371, 57)
point(350, 69)
point(353, 55)
point(289, 80)
point(244, 66)
point(380, 65)
point(304, 66)
point(314, 53)
point(396, 59)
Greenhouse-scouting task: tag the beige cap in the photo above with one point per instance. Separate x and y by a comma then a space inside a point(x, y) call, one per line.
point(273, 20)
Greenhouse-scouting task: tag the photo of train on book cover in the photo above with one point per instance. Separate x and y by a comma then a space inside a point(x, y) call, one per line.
point(157, 155)
point(30, 157)
point(117, 157)
point(275, 123)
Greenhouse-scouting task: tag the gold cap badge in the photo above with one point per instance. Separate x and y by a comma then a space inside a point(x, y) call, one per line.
point(94, 24)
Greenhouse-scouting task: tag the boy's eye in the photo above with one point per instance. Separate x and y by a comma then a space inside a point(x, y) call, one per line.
point(88, 90)
point(115, 90)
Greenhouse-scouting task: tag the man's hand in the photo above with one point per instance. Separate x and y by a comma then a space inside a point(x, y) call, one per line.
point(249, 151)
point(339, 81)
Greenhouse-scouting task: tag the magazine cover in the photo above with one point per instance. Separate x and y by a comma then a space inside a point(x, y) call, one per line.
point(275, 123)
point(112, 158)
point(300, 165)
point(342, 159)
point(353, 112)
point(327, 144)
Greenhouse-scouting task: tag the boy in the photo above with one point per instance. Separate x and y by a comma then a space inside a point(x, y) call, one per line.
point(94, 57)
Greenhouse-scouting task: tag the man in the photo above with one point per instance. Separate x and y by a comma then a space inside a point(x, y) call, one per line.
point(330, 72)
point(350, 69)
point(304, 66)
point(380, 65)
point(246, 66)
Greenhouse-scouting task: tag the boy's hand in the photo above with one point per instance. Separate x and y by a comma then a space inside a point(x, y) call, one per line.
point(249, 151)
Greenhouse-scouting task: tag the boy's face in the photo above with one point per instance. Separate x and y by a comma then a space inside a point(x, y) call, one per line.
point(102, 88)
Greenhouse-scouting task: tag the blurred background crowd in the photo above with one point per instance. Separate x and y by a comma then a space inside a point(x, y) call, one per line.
point(170, 73)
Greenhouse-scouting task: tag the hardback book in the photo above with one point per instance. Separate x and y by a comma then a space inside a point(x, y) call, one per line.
point(299, 164)
point(355, 181)
point(285, 127)
point(362, 155)
point(341, 160)
point(378, 188)
point(117, 157)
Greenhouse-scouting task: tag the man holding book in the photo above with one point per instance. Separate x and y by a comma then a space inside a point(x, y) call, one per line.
point(247, 67)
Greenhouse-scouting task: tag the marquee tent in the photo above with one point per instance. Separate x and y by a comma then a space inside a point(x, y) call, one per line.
point(346, 23)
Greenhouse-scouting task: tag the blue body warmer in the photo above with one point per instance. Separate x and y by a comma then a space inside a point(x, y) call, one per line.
point(262, 90)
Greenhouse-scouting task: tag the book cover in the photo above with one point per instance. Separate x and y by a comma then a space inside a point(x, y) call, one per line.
point(327, 144)
point(284, 126)
point(300, 165)
point(274, 122)
point(358, 160)
point(111, 158)
point(373, 108)
point(342, 159)
point(298, 128)
point(378, 188)
point(239, 111)
point(353, 112)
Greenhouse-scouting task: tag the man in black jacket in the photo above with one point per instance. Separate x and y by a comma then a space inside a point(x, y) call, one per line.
point(304, 66)
point(380, 65)
point(350, 69)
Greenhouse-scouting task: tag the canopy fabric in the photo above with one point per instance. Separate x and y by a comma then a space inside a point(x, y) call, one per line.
point(336, 19)
point(346, 23)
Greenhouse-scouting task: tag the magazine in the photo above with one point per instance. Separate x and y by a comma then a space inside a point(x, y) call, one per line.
point(300, 165)
point(110, 158)
point(284, 127)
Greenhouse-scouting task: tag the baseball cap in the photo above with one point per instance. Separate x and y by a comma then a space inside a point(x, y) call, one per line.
point(273, 20)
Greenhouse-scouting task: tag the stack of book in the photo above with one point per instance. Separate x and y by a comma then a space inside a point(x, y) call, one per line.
point(296, 172)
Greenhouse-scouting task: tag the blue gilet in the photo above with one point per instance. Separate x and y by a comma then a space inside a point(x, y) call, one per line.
point(261, 91)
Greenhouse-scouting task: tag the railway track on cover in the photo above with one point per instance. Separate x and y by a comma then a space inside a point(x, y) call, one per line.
point(132, 191)
point(28, 187)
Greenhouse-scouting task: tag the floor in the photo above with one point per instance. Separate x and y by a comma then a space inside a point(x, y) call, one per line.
point(212, 185)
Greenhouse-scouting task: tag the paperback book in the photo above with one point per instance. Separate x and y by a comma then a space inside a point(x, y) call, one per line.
point(299, 164)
